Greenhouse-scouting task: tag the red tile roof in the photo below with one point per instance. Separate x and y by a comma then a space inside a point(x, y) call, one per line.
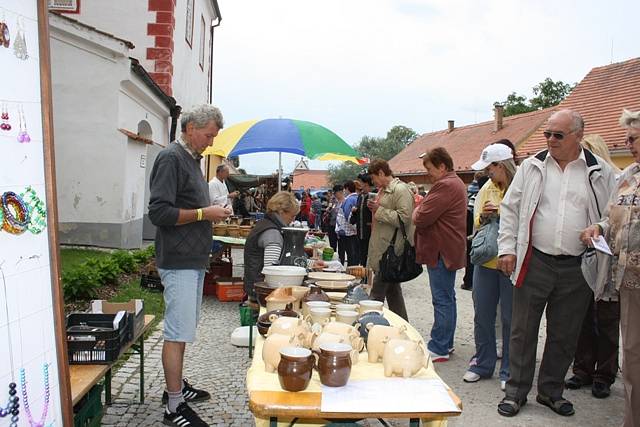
point(315, 179)
point(465, 143)
point(600, 98)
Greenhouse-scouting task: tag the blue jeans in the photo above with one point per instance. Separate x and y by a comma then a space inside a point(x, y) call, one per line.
point(443, 297)
point(489, 287)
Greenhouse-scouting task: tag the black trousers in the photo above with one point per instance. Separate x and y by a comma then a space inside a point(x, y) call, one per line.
point(392, 292)
point(364, 250)
point(348, 245)
point(558, 286)
point(467, 280)
point(333, 238)
point(597, 353)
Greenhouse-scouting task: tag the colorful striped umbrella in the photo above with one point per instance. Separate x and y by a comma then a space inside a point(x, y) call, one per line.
point(284, 136)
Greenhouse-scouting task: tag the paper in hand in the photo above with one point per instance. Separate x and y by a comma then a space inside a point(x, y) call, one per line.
point(601, 245)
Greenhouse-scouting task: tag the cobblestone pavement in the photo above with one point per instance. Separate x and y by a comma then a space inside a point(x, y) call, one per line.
point(215, 365)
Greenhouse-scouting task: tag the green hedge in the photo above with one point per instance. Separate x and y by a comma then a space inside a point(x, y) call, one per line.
point(83, 280)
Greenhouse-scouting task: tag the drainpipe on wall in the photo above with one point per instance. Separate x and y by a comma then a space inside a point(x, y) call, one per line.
point(217, 24)
point(175, 113)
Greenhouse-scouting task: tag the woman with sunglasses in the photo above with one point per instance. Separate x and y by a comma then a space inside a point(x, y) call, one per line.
point(620, 227)
point(490, 286)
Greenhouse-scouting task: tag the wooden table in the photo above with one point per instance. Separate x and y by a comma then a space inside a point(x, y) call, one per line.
point(83, 377)
point(274, 403)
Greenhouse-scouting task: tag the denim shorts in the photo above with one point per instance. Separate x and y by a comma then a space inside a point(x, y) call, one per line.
point(182, 300)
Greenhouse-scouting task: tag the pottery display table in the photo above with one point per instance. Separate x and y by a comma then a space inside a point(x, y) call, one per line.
point(273, 406)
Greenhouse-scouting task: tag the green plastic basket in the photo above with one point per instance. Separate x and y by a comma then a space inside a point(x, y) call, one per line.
point(248, 316)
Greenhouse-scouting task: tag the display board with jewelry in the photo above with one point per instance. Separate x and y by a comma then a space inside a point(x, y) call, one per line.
point(34, 385)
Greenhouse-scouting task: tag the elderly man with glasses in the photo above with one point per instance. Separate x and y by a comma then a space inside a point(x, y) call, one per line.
point(553, 197)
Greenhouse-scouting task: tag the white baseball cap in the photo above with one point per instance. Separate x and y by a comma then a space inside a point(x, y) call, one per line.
point(492, 153)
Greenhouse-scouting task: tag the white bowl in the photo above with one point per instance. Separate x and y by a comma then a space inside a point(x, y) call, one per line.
point(284, 275)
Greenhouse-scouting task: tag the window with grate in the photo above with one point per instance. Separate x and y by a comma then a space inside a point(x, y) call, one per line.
point(68, 6)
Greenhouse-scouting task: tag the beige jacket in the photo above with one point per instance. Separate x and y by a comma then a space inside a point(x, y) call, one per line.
point(395, 200)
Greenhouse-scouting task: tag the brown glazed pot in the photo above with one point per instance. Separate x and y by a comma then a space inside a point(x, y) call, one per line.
point(334, 364)
point(295, 368)
point(315, 294)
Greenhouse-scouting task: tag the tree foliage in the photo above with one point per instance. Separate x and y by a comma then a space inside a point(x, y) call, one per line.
point(398, 137)
point(546, 94)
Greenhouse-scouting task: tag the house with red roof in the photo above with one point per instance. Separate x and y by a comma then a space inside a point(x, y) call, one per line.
point(600, 98)
point(465, 143)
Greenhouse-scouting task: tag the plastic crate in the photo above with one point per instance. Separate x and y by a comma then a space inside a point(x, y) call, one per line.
point(151, 282)
point(88, 411)
point(229, 289)
point(92, 346)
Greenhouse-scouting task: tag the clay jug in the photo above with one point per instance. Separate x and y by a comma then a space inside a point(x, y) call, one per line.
point(334, 364)
point(315, 294)
point(295, 368)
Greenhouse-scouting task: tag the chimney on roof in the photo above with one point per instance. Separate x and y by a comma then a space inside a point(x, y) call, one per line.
point(451, 125)
point(498, 110)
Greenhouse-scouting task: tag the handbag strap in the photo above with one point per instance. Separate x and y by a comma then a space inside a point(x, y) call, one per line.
point(404, 233)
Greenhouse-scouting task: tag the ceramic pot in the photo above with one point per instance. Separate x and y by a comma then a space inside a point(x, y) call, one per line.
point(316, 294)
point(370, 305)
point(367, 320)
point(264, 321)
point(263, 290)
point(334, 364)
point(347, 317)
point(346, 307)
point(320, 315)
point(280, 299)
point(306, 306)
point(295, 368)
point(271, 349)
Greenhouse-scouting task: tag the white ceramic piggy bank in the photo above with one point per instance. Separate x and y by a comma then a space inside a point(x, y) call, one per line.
point(403, 357)
point(379, 335)
point(272, 346)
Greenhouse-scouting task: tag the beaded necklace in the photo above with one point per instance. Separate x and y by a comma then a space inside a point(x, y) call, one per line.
point(13, 403)
point(25, 399)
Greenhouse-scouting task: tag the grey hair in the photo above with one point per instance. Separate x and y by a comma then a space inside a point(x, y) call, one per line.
point(221, 168)
point(201, 116)
point(630, 119)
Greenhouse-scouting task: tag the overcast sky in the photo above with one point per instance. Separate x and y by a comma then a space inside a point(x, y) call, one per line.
point(360, 67)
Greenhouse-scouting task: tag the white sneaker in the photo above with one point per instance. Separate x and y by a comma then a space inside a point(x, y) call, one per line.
point(470, 377)
point(436, 358)
point(503, 385)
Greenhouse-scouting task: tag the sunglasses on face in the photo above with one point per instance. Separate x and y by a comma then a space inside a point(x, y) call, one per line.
point(557, 135)
point(630, 140)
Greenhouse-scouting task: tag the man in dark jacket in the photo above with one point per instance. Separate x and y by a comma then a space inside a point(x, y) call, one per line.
point(180, 209)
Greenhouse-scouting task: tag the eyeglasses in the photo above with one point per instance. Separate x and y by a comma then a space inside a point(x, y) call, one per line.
point(557, 135)
point(631, 139)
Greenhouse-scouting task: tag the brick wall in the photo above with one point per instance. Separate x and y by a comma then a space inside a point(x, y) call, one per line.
point(162, 52)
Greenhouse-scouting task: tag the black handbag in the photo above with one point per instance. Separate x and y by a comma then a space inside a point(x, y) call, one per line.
point(394, 268)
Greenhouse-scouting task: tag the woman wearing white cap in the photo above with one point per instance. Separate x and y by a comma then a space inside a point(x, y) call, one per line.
point(490, 286)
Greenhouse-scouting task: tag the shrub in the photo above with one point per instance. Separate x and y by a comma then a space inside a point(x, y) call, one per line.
point(80, 282)
point(125, 260)
point(83, 280)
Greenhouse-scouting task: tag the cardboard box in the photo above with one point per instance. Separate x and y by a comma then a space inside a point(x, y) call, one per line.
point(134, 309)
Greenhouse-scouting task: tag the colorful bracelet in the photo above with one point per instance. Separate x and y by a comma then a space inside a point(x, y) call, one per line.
point(37, 211)
point(16, 213)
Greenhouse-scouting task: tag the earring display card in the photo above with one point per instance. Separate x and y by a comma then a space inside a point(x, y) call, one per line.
point(28, 337)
